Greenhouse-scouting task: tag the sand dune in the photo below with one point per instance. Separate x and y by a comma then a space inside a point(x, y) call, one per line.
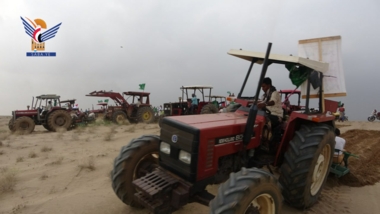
point(68, 172)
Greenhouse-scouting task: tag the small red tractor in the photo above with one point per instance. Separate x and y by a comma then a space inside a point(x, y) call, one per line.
point(163, 173)
point(99, 113)
point(183, 106)
point(78, 117)
point(52, 116)
point(139, 110)
point(219, 101)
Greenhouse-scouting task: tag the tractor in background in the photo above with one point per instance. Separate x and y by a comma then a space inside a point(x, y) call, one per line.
point(163, 173)
point(218, 100)
point(100, 113)
point(78, 117)
point(139, 110)
point(46, 111)
point(183, 106)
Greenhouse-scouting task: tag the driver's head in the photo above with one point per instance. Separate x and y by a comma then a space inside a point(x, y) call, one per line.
point(337, 132)
point(266, 84)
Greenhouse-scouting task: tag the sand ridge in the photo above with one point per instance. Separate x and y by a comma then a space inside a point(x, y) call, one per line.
point(68, 172)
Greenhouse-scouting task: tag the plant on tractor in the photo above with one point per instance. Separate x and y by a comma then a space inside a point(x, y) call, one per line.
point(163, 173)
point(139, 110)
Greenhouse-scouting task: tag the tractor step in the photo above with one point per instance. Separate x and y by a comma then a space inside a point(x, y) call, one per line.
point(155, 191)
point(155, 184)
point(156, 206)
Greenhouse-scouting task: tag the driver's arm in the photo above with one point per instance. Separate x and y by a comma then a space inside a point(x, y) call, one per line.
point(273, 99)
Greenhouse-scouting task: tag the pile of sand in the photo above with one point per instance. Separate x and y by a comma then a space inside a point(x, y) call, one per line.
point(365, 170)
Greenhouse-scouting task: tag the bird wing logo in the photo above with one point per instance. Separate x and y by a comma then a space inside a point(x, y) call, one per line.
point(34, 30)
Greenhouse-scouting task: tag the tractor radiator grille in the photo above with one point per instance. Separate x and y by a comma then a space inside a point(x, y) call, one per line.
point(210, 153)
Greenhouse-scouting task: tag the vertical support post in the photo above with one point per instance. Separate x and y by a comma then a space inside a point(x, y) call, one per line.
point(246, 78)
point(253, 110)
point(321, 95)
point(307, 110)
point(320, 50)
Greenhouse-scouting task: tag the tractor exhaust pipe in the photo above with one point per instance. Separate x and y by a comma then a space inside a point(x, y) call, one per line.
point(248, 132)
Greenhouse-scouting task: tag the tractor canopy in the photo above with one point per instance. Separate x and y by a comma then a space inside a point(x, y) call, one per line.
point(48, 96)
point(195, 87)
point(300, 68)
point(280, 59)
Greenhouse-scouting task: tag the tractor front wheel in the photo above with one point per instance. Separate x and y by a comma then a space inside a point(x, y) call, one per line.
point(209, 109)
point(23, 125)
point(10, 124)
point(248, 191)
point(145, 114)
point(59, 119)
point(119, 117)
point(135, 160)
point(307, 164)
point(46, 127)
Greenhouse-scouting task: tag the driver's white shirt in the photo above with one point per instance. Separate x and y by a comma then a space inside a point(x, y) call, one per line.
point(339, 144)
point(276, 109)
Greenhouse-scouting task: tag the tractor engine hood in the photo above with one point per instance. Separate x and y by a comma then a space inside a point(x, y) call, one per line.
point(211, 121)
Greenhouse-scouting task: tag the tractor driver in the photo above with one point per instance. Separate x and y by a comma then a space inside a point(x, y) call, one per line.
point(47, 108)
point(194, 103)
point(272, 101)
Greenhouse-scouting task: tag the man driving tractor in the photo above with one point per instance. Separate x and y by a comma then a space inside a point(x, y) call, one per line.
point(271, 100)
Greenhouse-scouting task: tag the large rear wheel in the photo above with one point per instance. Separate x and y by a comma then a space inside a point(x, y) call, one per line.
point(307, 164)
point(145, 114)
point(23, 125)
point(135, 160)
point(59, 119)
point(46, 127)
point(248, 191)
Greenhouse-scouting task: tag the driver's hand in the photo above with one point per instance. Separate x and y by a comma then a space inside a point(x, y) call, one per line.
point(261, 105)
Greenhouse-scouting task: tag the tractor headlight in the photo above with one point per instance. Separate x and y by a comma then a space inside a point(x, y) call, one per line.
point(165, 148)
point(185, 157)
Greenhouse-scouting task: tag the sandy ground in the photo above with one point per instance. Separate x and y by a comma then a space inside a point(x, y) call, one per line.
point(69, 172)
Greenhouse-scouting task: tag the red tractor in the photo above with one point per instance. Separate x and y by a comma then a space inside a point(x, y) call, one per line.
point(218, 100)
point(52, 116)
point(163, 173)
point(78, 117)
point(183, 106)
point(102, 110)
point(139, 110)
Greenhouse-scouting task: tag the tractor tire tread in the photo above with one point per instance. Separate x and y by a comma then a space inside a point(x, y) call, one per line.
point(298, 160)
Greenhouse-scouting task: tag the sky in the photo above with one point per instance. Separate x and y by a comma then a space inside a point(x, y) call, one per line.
point(119, 44)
